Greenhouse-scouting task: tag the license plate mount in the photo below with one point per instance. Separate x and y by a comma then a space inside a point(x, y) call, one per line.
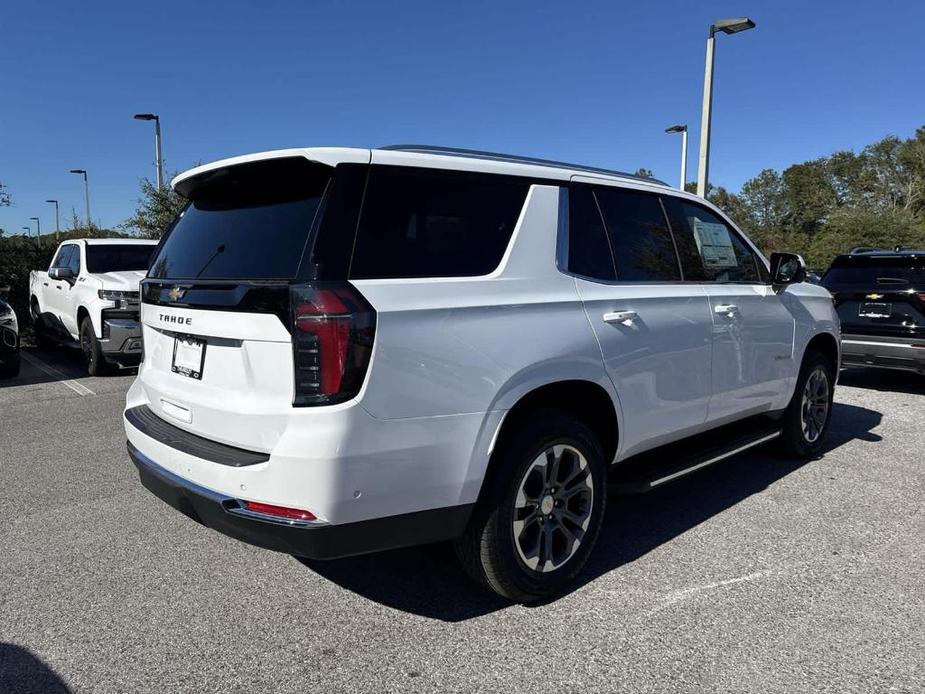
point(875, 310)
point(189, 356)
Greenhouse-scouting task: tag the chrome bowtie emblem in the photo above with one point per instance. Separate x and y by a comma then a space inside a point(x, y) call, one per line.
point(874, 296)
point(175, 293)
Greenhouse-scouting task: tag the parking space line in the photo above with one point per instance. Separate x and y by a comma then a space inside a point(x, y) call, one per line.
point(78, 388)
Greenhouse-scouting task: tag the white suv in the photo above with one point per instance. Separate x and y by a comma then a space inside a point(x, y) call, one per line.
point(348, 350)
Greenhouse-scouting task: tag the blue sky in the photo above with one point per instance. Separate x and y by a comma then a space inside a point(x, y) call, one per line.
point(591, 82)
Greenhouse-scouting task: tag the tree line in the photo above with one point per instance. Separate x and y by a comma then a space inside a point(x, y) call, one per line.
point(827, 206)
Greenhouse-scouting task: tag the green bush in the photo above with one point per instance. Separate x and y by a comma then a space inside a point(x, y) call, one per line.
point(15, 265)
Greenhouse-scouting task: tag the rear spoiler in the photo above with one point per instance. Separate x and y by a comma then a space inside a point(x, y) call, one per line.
point(187, 181)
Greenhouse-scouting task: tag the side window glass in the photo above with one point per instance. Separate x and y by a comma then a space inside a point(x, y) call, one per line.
point(423, 223)
point(710, 250)
point(73, 260)
point(589, 252)
point(61, 257)
point(642, 246)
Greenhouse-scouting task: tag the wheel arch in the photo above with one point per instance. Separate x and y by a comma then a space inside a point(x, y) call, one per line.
point(587, 400)
point(95, 320)
point(826, 344)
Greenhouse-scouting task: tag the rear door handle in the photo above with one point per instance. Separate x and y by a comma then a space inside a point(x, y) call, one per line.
point(620, 317)
point(728, 310)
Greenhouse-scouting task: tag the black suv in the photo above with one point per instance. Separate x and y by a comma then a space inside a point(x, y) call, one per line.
point(880, 298)
point(9, 337)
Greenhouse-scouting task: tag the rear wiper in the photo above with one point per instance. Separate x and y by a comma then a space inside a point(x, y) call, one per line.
point(220, 249)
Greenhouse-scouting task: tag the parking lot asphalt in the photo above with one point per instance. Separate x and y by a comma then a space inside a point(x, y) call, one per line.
point(757, 574)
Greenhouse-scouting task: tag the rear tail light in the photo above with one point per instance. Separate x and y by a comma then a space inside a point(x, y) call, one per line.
point(278, 511)
point(921, 296)
point(332, 340)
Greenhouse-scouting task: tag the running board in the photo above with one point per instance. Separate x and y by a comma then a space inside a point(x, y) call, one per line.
point(652, 469)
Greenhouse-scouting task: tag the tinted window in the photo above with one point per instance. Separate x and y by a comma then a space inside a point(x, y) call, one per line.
point(61, 259)
point(420, 223)
point(867, 271)
point(642, 247)
point(118, 257)
point(73, 260)
point(710, 250)
point(588, 248)
point(248, 221)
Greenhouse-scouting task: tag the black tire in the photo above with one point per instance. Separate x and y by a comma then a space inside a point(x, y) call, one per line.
point(489, 552)
point(801, 438)
point(42, 341)
point(91, 349)
point(11, 368)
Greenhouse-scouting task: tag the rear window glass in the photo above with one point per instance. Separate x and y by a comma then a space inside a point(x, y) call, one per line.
point(421, 223)
point(118, 257)
point(248, 221)
point(876, 272)
point(589, 252)
point(642, 246)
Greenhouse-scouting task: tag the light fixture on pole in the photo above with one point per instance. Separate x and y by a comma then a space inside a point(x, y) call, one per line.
point(727, 26)
point(57, 221)
point(158, 160)
point(38, 226)
point(86, 193)
point(683, 130)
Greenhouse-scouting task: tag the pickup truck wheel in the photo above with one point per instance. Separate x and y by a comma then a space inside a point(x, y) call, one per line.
point(806, 419)
point(41, 340)
point(90, 347)
point(541, 513)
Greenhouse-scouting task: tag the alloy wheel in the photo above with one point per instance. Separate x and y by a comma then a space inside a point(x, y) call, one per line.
point(815, 405)
point(552, 510)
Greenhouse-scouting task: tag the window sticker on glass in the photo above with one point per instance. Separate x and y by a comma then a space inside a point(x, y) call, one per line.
point(714, 244)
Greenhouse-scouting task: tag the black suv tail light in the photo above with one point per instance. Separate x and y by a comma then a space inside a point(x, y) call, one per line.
point(332, 341)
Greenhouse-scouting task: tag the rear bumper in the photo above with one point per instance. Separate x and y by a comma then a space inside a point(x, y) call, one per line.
point(886, 352)
point(310, 539)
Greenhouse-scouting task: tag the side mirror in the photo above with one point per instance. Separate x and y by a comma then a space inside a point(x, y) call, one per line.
point(61, 273)
point(787, 268)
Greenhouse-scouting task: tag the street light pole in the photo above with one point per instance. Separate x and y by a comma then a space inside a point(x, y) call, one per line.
point(683, 130)
point(57, 221)
point(38, 227)
point(158, 159)
point(86, 193)
point(727, 26)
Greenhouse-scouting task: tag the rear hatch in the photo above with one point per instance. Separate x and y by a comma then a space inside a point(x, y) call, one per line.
point(879, 294)
point(245, 309)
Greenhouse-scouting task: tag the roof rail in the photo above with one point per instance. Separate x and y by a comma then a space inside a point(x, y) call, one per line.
point(514, 159)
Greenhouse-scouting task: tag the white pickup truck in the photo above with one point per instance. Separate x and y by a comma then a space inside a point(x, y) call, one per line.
point(89, 296)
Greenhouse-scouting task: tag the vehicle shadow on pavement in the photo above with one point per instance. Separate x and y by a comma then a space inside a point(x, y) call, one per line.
point(893, 381)
point(427, 580)
point(23, 673)
point(52, 365)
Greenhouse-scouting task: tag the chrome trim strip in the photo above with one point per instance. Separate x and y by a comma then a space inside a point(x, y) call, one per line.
point(873, 343)
point(230, 504)
point(722, 456)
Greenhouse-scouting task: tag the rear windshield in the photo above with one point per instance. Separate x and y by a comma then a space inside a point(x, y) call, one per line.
point(873, 271)
point(246, 222)
point(116, 258)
